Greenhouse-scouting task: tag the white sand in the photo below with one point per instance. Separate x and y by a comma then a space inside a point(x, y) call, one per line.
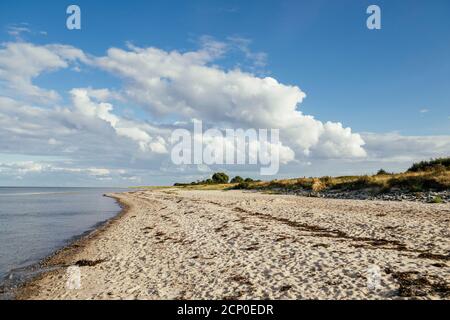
point(174, 244)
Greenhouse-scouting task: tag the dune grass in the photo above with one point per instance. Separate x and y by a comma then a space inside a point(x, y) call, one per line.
point(150, 187)
point(438, 180)
point(433, 175)
point(409, 181)
point(222, 186)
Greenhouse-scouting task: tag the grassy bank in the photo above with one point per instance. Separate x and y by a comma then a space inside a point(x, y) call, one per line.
point(433, 175)
point(409, 182)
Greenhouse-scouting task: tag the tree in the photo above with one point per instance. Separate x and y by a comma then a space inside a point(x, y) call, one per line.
point(220, 177)
point(237, 179)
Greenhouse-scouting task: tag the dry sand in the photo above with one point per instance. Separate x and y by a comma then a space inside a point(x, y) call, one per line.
point(174, 244)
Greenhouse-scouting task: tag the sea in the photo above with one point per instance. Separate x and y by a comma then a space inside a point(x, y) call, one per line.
point(35, 222)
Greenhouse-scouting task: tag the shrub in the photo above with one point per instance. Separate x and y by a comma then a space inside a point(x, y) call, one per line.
point(416, 183)
point(437, 199)
point(362, 182)
point(220, 177)
point(327, 180)
point(431, 165)
point(237, 179)
point(382, 172)
point(274, 184)
point(318, 185)
point(242, 186)
point(304, 183)
point(439, 168)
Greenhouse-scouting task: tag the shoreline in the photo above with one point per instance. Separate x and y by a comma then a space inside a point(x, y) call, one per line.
point(58, 259)
point(243, 245)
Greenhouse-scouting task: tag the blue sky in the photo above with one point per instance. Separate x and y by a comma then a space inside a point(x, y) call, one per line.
point(390, 81)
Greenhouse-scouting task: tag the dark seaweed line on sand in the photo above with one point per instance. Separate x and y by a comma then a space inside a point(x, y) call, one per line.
point(371, 243)
point(411, 284)
point(337, 234)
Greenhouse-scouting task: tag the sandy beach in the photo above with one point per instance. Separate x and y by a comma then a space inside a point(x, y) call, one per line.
point(180, 244)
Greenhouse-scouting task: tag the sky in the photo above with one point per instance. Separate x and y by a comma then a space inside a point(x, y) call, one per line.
point(97, 106)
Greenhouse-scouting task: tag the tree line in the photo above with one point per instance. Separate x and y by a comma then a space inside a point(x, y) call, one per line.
point(218, 178)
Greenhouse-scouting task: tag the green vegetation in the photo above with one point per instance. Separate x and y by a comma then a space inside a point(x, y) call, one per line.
point(220, 177)
point(440, 164)
point(382, 172)
point(237, 179)
point(408, 182)
point(204, 186)
point(437, 199)
point(433, 175)
point(382, 182)
point(219, 180)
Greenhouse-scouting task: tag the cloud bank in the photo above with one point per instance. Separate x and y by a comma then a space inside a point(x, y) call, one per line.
point(186, 86)
point(85, 132)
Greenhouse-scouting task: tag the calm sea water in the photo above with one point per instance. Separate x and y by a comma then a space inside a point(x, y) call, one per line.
point(34, 222)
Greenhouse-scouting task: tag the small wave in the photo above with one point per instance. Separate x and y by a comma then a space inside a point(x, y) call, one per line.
point(32, 193)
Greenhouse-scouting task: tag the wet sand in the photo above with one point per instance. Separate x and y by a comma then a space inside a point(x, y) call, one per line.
point(175, 244)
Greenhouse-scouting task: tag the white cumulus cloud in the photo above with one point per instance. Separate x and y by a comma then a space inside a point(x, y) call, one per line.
point(187, 85)
point(21, 62)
